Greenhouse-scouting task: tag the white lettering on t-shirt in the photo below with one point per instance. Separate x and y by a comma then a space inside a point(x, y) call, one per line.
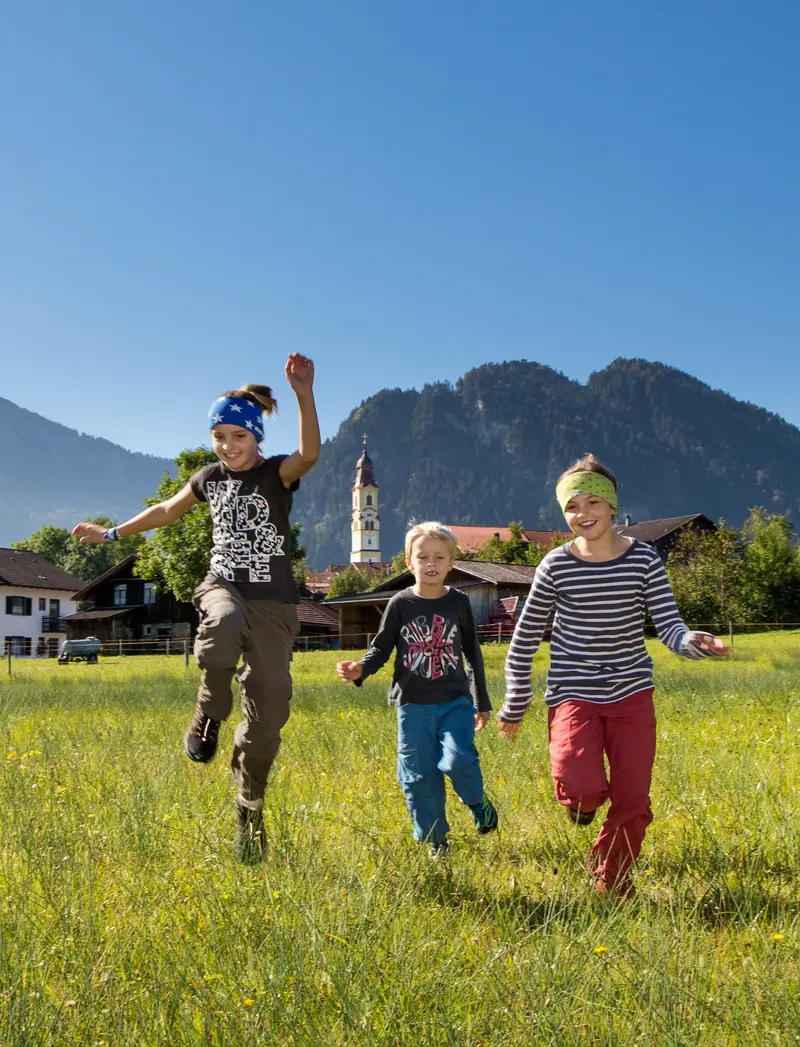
point(243, 536)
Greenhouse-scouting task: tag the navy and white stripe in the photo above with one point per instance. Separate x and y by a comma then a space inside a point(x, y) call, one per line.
point(597, 650)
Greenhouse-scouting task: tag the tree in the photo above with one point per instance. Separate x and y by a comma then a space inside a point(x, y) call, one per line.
point(85, 561)
point(770, 579)
point(351, 580)
point(180, 553)
point(705, 571)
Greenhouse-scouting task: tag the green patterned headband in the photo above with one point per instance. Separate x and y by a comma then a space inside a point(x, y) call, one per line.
point(586, 483)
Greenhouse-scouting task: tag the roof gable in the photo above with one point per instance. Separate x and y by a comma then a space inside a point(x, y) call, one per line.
point(28, 570)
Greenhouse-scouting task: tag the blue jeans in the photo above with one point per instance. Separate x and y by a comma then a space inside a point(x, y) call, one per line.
point(434, 741)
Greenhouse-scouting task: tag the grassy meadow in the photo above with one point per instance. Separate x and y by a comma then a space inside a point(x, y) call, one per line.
point(126, 920)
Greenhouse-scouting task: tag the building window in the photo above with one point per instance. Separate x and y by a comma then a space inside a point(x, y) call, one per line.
point(19, 605)
point(19, 646)
point(42, 603)
point(55, 608)
point(149, 593)
point(369, 499)
point(120, 595)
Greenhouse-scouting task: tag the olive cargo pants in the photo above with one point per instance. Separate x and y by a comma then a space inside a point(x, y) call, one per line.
point(261, 633)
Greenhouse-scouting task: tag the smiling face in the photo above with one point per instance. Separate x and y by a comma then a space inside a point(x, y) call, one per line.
point(430, 561)
point(236, 447)
point(588, 516)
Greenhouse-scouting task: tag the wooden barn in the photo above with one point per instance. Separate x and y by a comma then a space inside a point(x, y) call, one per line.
point(486, 585)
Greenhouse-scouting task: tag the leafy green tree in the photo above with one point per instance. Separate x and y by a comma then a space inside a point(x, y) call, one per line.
point(770, 581)
point(181, 552)
point(351, 580)
point(705, 570)
point(85, 561)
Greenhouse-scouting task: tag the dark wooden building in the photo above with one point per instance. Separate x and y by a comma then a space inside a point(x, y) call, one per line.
point(664, 534)
point(486, 585)
point(125, 608)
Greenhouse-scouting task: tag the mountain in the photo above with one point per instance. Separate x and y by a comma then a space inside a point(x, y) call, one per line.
point(490, 448)
point(50, 474)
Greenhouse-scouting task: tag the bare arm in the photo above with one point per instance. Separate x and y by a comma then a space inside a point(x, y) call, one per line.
point(154, 516)
point(300, 376)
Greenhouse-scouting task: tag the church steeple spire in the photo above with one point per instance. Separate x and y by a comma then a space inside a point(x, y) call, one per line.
point(365, 525)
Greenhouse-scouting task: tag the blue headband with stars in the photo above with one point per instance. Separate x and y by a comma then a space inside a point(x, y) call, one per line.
point(235, 410)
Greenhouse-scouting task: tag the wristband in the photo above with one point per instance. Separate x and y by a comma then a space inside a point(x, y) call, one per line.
point(111, 535)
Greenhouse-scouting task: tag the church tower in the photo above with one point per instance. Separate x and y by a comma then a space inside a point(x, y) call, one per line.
point(365, 527)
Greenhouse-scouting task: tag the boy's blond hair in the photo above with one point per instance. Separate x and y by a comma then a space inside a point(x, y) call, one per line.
point(431, 529)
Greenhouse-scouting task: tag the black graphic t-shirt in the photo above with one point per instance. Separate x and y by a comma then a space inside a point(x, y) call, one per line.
point(430, 637)
point(252, 537)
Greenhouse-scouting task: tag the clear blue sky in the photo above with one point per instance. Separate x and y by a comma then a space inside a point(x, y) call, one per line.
point(404, 190)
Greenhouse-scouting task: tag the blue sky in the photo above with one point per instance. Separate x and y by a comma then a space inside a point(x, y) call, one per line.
point(401, 190)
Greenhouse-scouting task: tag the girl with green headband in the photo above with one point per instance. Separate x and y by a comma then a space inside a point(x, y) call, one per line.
point(599, 692)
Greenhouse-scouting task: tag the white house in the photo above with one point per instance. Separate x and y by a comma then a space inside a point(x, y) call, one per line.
point(34, 598)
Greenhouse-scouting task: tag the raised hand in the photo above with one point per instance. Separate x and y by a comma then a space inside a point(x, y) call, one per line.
point(300, 373)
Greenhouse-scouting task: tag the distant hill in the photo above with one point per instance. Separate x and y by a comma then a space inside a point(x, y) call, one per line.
point(483, 451)
point(50, 474)
point(489, 449)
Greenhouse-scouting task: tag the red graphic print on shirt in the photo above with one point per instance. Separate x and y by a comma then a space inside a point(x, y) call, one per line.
point(431, 652)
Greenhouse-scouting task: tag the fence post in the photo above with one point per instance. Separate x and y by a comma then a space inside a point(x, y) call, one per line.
point(730, 633)
point(186, 652)
point(499, 635)
point(120, 648)
point(8, 652)
point(167, 645)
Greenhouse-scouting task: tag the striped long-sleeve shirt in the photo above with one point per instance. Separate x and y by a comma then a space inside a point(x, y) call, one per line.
point(597, 650)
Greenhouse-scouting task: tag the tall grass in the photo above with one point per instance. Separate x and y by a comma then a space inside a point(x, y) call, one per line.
point(125, 919)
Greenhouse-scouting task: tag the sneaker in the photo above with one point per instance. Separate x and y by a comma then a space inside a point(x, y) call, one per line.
point(251, 840)
point(484, 814)
point(580, 817)
point(200, 740)
point(440, 849)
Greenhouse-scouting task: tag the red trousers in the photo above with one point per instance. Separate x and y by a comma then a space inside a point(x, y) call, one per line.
point(580, 732)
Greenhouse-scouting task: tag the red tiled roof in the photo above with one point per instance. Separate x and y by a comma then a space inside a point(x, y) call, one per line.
point(27, 570)
point(470, 539)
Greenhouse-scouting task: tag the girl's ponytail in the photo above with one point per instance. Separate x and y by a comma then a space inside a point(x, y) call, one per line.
point(257, 394)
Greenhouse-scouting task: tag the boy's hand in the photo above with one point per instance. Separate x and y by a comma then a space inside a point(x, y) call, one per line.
point(300, 373)
point(508, 730)
point(89, 532)
point(349, 671)
point(711, 644)
point(481, 719)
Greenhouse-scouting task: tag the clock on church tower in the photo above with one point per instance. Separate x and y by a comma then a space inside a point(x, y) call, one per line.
point(365, 527)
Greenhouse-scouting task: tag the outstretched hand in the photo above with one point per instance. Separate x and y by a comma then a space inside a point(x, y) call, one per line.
point(90, 533)
point(349, 671)
point(711, 644)
point(300, 373)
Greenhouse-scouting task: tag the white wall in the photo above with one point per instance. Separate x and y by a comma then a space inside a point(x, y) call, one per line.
point(31, 624)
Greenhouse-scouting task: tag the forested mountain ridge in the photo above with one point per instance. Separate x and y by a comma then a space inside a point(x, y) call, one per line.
point(51, 474)
point(489, 449)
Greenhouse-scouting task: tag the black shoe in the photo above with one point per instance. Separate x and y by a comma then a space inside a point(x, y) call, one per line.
point(251, 840)
point(200, 740)
point(580, 817)
point(484, 814)
point(439, 850)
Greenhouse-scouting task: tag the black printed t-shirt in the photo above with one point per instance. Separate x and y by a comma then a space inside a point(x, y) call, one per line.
point(430, 637)
point(252, 536)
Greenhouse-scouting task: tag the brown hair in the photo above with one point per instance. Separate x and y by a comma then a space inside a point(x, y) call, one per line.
point(589, 464)
point(261, 395)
